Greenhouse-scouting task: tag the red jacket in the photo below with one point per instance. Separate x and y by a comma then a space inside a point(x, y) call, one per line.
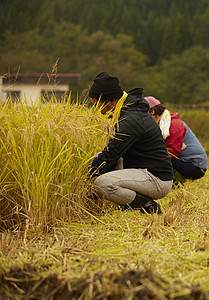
point(177, 131)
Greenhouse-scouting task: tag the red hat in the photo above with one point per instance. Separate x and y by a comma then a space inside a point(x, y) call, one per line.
point(152, 101)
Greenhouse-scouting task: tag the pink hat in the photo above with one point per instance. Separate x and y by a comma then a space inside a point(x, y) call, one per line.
point(152, 101)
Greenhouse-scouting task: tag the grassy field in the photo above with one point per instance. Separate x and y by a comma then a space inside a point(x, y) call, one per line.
point(58, 241)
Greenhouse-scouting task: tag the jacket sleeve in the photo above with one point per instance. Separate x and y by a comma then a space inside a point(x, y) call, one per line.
point(174, 141)
point(108, 158)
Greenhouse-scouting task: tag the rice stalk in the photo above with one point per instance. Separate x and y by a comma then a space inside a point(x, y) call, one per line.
point(46, 151)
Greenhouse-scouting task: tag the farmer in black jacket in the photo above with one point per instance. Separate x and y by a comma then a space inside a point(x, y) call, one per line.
point(147, 170)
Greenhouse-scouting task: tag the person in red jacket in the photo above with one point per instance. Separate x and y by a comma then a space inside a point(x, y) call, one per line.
point(187, 154)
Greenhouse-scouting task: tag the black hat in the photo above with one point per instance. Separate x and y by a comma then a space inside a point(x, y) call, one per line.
point(105, 87)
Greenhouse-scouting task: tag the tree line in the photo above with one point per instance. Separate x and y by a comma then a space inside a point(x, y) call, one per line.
point(160, 45)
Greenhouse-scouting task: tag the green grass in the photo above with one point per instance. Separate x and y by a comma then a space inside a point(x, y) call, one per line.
point(63, 244)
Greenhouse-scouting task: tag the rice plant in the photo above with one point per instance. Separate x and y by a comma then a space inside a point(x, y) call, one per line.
point(45, 151)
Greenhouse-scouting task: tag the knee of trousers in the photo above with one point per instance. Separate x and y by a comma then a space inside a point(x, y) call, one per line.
point(101, 184)
point(108, 188)
point(105, 180)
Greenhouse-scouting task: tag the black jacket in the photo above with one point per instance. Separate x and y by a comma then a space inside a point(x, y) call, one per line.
point(137, 139)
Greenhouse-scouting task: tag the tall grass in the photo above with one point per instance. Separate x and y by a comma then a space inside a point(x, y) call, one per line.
point(45, 151)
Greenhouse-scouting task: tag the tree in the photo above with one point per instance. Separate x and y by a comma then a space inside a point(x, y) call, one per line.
point(24, 50)
point(201, 28)
point(185, 77)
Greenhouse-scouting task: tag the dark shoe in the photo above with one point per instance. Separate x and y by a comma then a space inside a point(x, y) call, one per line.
point(124, 207)
point(151, 207)
point(143, 203)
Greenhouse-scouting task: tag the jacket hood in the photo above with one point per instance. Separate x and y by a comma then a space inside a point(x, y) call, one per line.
point(136, 92)
point(174, 115)
point(135, 98)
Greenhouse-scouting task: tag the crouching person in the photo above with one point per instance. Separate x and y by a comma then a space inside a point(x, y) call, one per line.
point(147, 172)
point(188, 157)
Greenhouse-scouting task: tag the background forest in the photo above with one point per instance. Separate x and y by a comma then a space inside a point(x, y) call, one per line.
point(159, 45)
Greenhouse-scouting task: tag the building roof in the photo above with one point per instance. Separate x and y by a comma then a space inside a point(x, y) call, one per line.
point(40, 78)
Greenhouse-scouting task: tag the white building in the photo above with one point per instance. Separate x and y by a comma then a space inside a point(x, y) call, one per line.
point(33, 87)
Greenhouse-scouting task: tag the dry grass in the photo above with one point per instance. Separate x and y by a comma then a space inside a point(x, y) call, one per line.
point(63, 252)
point(167, 255)
point(45, 153)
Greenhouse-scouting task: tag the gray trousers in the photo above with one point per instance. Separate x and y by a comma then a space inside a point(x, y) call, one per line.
point(120, 186)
